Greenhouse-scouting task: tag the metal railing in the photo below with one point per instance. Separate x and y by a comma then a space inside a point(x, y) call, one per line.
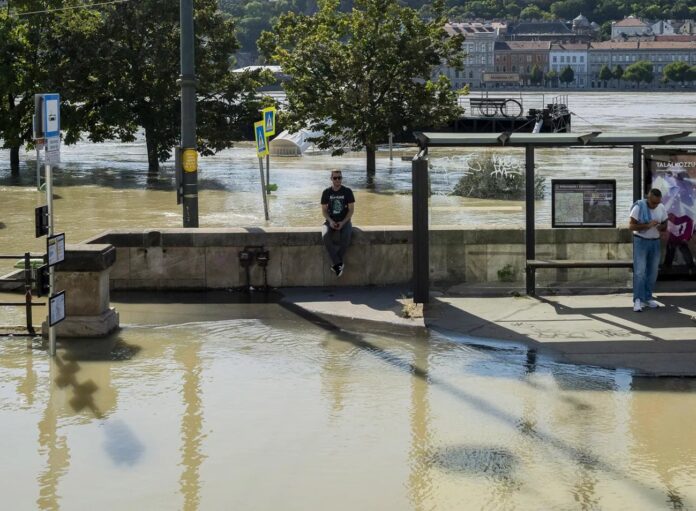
point(27, 279)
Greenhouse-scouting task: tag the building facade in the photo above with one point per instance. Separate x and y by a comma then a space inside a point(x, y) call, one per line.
point(573, 55)
point(479, 46)
point(520, 57)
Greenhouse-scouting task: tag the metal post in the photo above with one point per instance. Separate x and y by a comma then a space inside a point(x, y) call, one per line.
point(529, 233)
point(637, 172)
point(263, 189)
point(27, 291)
point(421, 263)
point(268, 174)
point(188, 112)
point(51, 269)
point(38, 167)
point(391, 140)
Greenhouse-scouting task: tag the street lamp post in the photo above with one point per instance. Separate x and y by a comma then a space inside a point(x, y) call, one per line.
point(188, 116)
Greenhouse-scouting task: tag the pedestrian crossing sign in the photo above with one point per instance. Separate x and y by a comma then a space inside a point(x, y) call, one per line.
point(261, 141)
point(269, 120)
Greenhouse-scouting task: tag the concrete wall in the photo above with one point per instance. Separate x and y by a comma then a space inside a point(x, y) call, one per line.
point(208, 258)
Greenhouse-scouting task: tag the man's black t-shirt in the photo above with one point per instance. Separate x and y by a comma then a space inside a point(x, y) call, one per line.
point(337, 201)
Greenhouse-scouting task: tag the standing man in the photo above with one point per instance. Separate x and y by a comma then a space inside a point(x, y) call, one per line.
point(648, 218)
point(337, 204)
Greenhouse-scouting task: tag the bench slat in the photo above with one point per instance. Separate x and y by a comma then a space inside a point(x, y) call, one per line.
point(573, 263)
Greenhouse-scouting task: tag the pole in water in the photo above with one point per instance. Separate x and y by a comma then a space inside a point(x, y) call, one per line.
point(391, 138)
point(38, 167)
point(51, 269)
point(268, 174)
point(263, 189)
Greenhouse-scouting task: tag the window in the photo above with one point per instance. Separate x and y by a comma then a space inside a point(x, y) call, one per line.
point(554, 58)
point(471, 75)
point(529, 58)
point(562, 58)
point(513, 69)
point(582, 58)
point(574, 58)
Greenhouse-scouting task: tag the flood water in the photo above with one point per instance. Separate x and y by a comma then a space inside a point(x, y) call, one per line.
point(188, 409)
point(221, 405)
point(105, 186)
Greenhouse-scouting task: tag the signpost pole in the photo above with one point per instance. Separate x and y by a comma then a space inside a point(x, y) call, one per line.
point(38, 167)
point(391, 139)
point(268, 175)
point(263, 189)
point(51, 269)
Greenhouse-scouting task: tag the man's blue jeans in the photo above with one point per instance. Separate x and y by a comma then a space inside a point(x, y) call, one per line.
point(330, 236)
point(646, 259)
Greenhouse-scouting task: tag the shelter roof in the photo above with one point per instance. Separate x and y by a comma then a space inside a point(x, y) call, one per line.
point(593, 138)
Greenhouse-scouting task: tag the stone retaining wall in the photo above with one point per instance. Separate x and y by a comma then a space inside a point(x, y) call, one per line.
point(208, 258)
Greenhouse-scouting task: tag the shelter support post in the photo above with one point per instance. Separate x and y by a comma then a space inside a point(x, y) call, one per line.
point(421, 263)
point(530, 233)
point(637, 172)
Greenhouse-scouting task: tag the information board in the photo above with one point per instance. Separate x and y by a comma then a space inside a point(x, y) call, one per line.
point(55, 249)
point(583, 202)
point(56, 308)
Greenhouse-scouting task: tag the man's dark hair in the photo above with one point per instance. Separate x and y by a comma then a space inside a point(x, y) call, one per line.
point(655, 192)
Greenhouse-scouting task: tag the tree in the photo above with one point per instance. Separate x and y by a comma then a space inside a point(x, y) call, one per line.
point(537, 75)
point(551, 78)
point(138, 89)
point(358, 75)
point(641, 71)
point(618, 73)
point(568, 9)
point(567, 75)
point(676, 72)
point(533, 12)
point(605, 74)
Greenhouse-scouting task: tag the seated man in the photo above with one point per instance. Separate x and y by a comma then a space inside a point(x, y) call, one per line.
point(337, 203)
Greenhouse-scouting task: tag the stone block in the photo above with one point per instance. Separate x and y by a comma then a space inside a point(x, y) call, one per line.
point(121, 267)
point(86, 326)
point(167, 263)
point(505, 258)
point(303, 266)
point(455, 263)
point(476, 263)
point(390, 264)
point(358, 259)
point(222, 267)
point(438, 262)
point(86, 293)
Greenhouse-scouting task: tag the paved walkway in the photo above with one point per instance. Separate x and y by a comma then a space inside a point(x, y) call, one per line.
point(586, 329)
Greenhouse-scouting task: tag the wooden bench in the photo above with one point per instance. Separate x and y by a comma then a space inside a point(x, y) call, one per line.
point(534, 264)
point(579, 263)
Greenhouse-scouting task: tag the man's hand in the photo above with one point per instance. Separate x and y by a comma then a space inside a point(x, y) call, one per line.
point(336, 225)
point(653, 223)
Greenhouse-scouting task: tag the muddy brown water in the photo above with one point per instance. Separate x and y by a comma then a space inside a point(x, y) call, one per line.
point(222, 405)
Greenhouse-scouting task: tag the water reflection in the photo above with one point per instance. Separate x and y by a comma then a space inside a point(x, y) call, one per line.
point(210, 414)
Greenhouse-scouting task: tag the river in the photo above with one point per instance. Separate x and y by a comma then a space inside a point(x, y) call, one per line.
point(104, 186)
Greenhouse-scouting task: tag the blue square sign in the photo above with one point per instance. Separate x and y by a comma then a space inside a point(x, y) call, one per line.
point(51, 119)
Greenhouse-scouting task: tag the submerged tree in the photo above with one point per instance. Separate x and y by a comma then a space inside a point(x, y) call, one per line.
point(138, 88)
point(358, 75)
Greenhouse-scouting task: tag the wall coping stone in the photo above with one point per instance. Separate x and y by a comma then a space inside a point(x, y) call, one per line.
point(84, 257)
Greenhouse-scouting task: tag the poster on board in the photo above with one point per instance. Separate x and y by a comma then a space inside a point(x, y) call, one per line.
point(673, 172)
point(583, 203)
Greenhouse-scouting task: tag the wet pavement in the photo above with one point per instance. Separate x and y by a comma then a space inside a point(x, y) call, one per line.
point(593, 329)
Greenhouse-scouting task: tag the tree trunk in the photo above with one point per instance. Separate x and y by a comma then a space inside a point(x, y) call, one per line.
point(371, 165)
point(152, 159)
point(14, 161)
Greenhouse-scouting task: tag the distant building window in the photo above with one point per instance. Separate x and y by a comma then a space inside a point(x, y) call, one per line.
point(574, 59)
point(582, 58)
point(562, 58)
point(554, 58)
point(471, 74)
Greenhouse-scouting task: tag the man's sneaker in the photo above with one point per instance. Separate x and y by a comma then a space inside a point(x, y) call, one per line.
point(653, 304)
point(340, 269)
point(637, 306)
point(336, 268)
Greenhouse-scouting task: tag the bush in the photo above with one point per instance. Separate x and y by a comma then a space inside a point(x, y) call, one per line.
point(496, 177)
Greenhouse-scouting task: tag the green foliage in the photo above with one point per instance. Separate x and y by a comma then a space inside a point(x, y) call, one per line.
point(493, 177)
point(359, 74)
point(507, 273)
point(537, 75)
point(676, 72)
point(605, 74)
point(551, 78)
point(567, 75)
point(618, 72)
point(641, 71)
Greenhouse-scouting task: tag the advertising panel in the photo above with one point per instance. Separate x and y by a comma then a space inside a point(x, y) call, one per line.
point(583, 202)
point(673, 172)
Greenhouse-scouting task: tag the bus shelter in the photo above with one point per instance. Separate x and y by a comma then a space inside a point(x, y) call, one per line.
point(529, 141)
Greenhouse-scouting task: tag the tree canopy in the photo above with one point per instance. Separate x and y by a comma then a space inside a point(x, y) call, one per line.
point(358, 75)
